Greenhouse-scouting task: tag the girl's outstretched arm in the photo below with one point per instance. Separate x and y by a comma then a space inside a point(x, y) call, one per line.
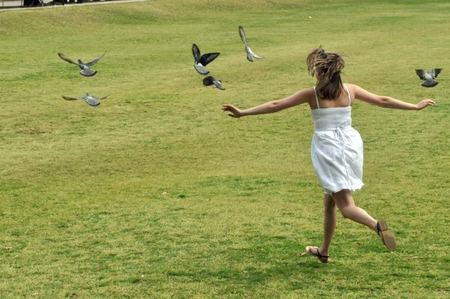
point(387, 102)
point(298, 98)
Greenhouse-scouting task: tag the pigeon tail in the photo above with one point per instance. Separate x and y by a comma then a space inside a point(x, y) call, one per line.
point(87, 72)
point(196, 53)
point(430, 83)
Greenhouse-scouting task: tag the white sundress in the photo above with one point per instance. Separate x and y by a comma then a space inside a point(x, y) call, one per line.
point(336, 148)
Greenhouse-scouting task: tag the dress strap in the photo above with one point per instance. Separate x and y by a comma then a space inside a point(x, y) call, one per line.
point(317, 100)
point(348, 94)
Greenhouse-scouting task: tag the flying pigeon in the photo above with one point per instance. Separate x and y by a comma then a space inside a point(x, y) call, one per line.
point(210, 80)
point(428, 77)
point(84, 66)
point(200, 61)
point(88, 98)
point(250, 54)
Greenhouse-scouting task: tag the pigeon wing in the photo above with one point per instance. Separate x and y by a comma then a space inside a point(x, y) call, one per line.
point(436, 72)
point(242, 35)
point(70, 98)
point(421, 74)
point(91, 63)
point(63, 57)
point(196, 53)
point(208, 57)
point(254, 54)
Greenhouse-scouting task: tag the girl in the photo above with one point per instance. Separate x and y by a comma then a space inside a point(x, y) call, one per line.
point(337, 148)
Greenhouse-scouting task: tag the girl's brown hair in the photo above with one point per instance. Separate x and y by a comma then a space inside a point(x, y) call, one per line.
point(328, 67)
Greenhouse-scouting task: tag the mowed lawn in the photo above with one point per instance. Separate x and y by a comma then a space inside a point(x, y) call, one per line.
point(157, 193)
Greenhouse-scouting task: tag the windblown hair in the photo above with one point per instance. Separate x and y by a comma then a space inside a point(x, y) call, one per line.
point(327, 66)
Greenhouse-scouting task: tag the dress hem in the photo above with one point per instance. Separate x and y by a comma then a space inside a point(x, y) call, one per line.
point(335, 190)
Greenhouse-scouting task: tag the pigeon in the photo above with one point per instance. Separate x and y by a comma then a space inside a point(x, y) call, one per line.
point(428, 76)
point(250, 54)
point(200, 61)
point(88, 98)
point(210, 80)
point(84, 66)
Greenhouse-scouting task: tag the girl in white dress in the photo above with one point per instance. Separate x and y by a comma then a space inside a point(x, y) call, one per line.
point(336, 148)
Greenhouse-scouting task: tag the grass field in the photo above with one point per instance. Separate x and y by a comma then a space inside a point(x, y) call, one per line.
point(157, 193)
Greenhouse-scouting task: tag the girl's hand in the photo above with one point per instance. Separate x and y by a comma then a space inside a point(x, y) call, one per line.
point(235, 112)
point(424, 103)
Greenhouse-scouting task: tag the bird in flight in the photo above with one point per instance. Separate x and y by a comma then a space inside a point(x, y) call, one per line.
point(88, 98)
point(200, 61)
point(85, 67)
point(428, 76)
point(251, 56)
point(210, 80)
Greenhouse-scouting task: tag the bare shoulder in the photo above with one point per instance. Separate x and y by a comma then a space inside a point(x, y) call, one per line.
point(364, 95)
point(309, 96)
point(357, 91)
point(299, 97)
point(303, 95)
point(352, 88)
point(308, 92)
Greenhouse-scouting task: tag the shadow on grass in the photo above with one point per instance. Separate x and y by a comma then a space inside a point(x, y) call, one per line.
point(276, 260)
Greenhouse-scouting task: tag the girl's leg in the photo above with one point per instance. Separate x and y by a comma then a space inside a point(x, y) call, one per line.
point(344, 201)
point(329, 223)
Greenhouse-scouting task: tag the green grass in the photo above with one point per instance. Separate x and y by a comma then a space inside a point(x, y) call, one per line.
point(157, 193)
